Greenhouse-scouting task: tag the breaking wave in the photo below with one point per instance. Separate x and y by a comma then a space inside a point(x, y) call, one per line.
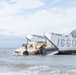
point(38, 70)
point(36, 65)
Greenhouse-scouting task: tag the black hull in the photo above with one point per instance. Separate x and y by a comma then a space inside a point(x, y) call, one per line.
point(67, 52)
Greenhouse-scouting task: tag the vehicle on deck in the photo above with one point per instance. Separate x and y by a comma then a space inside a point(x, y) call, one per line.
point(37, 45)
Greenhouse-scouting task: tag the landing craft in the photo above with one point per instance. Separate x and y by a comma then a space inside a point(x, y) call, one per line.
point(49, 44)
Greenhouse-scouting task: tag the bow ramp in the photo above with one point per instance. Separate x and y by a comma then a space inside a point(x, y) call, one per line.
point(53, 53)
point(54, 50)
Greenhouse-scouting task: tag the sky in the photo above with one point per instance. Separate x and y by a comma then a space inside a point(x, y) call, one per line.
point(19, 17)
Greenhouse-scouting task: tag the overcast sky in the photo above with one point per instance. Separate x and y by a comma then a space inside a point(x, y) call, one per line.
point(18, 17)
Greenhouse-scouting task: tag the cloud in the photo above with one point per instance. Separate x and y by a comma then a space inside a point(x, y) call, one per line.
point(2, 30)
point(54, 16)
point(53, 19)
point(16, 6)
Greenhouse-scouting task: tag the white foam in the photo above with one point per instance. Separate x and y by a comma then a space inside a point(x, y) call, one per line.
point(41, 70)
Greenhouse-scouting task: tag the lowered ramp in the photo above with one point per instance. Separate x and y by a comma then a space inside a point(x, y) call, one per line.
point(53, 50)
point(53, 53)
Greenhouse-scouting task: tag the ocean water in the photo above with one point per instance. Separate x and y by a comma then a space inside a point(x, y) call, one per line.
point(11, 64)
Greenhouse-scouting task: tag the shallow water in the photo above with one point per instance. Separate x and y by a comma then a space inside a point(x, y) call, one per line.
point(11, 64)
